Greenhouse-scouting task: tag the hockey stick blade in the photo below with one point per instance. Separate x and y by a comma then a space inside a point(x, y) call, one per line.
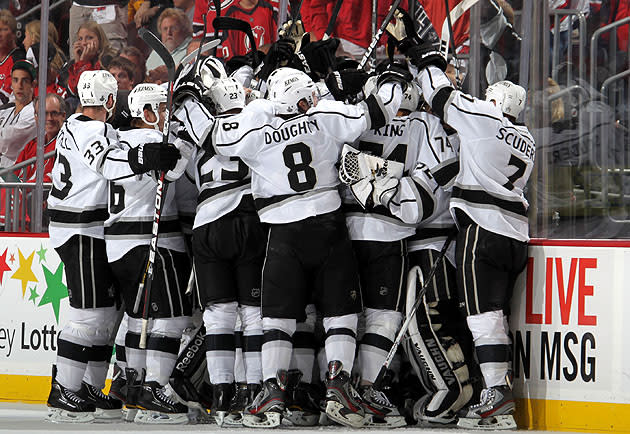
point(152, 41)
point(230, 23)
point(333, 20)
point(207, 46)
point(405, 325)
point(378, 34)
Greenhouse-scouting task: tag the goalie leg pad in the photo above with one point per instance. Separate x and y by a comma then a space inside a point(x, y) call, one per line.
point(437, 359)
point(189, 378)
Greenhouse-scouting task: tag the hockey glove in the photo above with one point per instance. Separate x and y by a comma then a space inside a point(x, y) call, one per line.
point(363, 192)
point(384, 190)
point(397, 73)
point(296, 33)
point(280, 54)
point(346, 84)
point(153, 156)
point(320, 55)
point(187, 84)
point(185, 149)
point(424, 54)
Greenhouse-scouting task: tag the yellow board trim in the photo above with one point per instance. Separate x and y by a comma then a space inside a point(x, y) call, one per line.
point(32, 389)
point(536, 414)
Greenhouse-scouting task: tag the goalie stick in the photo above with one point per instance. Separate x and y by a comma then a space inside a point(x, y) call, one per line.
point(412, 313)
point(379, 33)
point(147, 278)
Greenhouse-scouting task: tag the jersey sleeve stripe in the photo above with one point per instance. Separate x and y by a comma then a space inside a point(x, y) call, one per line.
point(143, 227)
point(481, 197)
point(426, 199)
point(376, 111)
point(446, 172)
point(91, 216)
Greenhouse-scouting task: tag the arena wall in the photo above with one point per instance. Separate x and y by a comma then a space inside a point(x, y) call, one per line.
point(570, 321)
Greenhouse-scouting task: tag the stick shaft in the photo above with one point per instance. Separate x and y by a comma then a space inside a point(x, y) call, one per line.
point(378, 34)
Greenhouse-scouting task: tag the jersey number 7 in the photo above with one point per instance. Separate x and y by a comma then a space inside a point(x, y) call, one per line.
point(520, 171)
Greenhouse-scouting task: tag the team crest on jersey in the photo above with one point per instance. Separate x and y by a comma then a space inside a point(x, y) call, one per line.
point(259, 35)
point(224, 4)
point(255, 292)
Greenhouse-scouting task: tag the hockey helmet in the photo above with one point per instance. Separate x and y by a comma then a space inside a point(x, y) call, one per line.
point(289, 86)
point(143, 94)
point(209, 69)
point(227, 94)
point(509, 97)
point(95, 87)
point(410, 98)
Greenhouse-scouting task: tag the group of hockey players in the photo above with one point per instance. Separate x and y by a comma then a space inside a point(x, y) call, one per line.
point(326, 203)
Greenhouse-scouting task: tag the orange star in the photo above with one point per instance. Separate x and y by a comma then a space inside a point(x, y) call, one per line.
point(3, 265)
point(24, 272)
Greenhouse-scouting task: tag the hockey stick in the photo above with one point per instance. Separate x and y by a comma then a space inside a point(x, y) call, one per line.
point(379, 33)
point(207, 46)
point(230, 23)
point(147, 278)
point(333, 19)
point(453, 16)
point(412, 313)
point(294, 17)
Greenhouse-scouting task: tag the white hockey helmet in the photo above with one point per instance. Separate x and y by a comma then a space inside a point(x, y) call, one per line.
point(227, 94)
point(289, 86)
point(411, 98)
point(210, 69)
point(95, 87)
point(509, 97)
point(143, 94)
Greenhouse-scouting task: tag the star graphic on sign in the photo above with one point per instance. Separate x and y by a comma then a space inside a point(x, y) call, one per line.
point(3, 264)
point(41, 253)
point(24, 272)
point(55, 290)
point(34, 294)
point(12, 258)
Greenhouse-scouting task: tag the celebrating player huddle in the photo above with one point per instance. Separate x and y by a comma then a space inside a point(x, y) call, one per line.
point(327, 205)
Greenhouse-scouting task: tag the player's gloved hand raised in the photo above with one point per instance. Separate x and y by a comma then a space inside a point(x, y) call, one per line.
point(346, 83)
point(395, 72)
point(280, 54)
point(153, 156)
point(320, 55)
point(424, 54)
point(187, 85)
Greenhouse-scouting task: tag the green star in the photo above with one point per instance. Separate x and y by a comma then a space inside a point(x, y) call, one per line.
point(55, 290)
point(34, 294)
point(41, 253)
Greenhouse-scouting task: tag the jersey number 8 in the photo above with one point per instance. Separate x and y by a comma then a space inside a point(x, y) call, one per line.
point(297, 158)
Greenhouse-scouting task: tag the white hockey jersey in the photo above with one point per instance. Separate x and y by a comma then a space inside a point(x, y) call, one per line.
point(88, 155)
point(132, 205)
point(496, 158)
point(293, 160)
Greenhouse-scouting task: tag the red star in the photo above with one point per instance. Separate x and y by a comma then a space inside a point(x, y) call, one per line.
point(3, 264)
point(11, 258)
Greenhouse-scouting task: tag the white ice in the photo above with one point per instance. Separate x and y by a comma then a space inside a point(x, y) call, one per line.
point(29, 418)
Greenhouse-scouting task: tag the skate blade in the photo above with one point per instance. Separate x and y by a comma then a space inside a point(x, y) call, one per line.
point(300, 418)
point(337, 412)
point(150, 417)
point(502, 422)
point(372, 421)
point(270, 419)
point(129, 414)
point(58, 415)
point(107, 416)
point(233, 420)
point(219, 417)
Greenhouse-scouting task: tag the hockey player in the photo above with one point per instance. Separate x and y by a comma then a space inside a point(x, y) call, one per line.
point(291, 143)
point(127, 236)
point(88, 154)
point(490, 209)
point(229, 247)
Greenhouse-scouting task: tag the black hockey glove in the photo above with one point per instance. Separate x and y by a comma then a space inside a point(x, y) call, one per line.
point(397, 73)
point(423, 54)
point(346, 84)
point(280, 54)
point(187, 84)
point(249, 59)
point(320, 55)
point(153, 156)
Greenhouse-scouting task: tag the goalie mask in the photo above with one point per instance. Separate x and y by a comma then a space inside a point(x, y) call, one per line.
point(509, 97)
point(143, 94)
point(288, 87)
point(95, 88)
point(227, 94)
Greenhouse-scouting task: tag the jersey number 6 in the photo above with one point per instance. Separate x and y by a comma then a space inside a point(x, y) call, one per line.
point(297, 158)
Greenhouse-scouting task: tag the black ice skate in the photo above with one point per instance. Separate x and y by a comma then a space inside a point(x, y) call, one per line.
point(267, 408)
point(343, 403)
point(134, 385)
point(154, 407)
point(108, 409)
point(302, 401)
point(222, 395)
point(118, 389)
point(64, 405)
point(494, 411)
point(379, 411)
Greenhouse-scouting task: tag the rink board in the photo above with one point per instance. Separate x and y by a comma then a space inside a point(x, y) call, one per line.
point(570, 320)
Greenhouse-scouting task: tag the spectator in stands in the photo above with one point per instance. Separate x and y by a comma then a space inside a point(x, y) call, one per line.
point(54, 118)
point(261, 15)
point(111, 15)
point(134, 55)
point(188, 6)
point(17, 119)
point(9, 52)
point(175, 33)
point(55, 63)
point(90, 51)
point(32, 34)
point(122, 70)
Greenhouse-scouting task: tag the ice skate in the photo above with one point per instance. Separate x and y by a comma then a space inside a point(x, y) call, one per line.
point(379, 411)
point(303, 406)
point(154, 407)
point(494, 411)
point(448, 420)
point(134, 384)
point(118, 389)
point(108, 409)
point(222, 395)
point(64, 405)
point(343, 403)
point(267, 408)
